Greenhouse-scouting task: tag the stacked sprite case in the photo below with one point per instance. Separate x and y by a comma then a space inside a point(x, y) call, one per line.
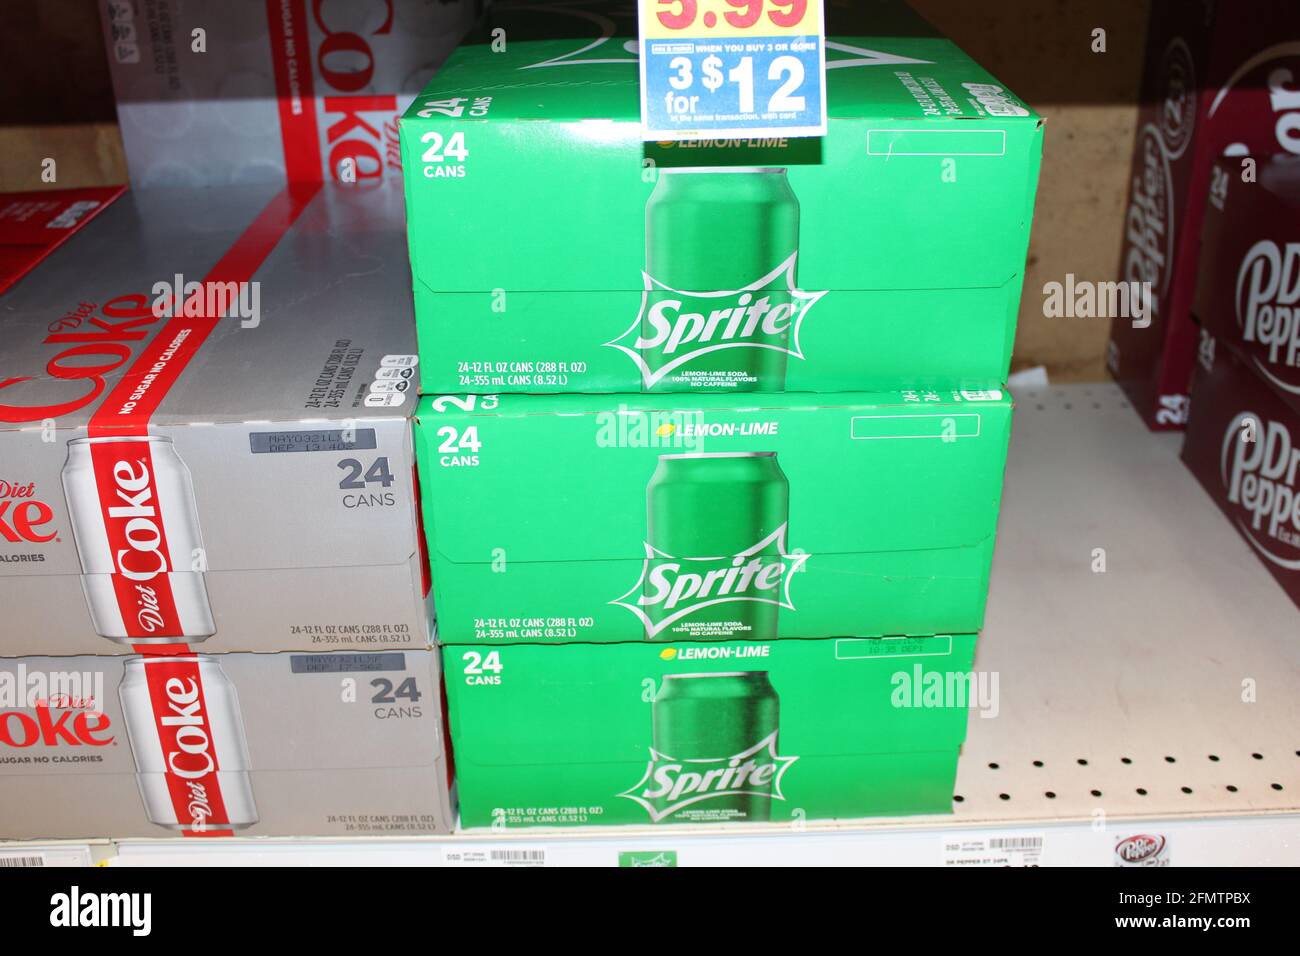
point(554, 251)
point(712, 450)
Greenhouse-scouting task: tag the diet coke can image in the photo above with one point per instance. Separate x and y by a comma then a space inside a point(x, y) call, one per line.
point(131, 500)
point(187, 736)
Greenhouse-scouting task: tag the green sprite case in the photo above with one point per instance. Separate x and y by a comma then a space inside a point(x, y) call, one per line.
point(553, 251)
point(730, 732)
point(593, 518)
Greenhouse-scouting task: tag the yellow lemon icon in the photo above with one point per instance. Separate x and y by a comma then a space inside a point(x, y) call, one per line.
point(666, 429)
point(668, 653)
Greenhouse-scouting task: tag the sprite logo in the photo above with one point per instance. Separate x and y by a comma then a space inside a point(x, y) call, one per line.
point(670, 785)
point(676, 326)
point(674, 587)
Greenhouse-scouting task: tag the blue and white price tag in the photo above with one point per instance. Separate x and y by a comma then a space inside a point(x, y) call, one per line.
point(732, 68)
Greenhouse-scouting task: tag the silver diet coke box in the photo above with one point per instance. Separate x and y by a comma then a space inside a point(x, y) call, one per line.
point(237, 745)
point(215, 93)
point(204, 435)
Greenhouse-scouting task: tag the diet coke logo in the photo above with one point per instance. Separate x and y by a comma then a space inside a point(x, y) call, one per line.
point(189, 747)
point(142, 559)
point(1268, 288)
point(199, 806)
point(150, 616)
point(1259, 464)
point(24, 518)
point(73, 728)
point(345, 61)
point(91, 346)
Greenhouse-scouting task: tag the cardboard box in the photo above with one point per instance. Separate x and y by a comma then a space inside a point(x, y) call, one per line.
point(238, 474)
point(580, 518)
point(730, 732)
point(294, 90)
point(1243, 445)
point(1248, 295)
point(554, 251)
point(247, 744)
point(1214, 83)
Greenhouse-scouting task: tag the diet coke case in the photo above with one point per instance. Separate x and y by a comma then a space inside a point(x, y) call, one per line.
point(236, 744)
point(1248, 295)
point(300, 89)
point(239, 475)
point(1218, 80)
point(1243, 445)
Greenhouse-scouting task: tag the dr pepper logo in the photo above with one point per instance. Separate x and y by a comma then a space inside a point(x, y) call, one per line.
point(1258, 466)
point(1261, 95)
point(1178, 104)
point(1142, 849)
point(1268, 310)
point(24, 518)
point(1149, 227)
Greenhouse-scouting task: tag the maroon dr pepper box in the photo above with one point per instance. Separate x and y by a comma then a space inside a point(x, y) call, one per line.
point(1248, 292)
point(1243, 445)
point(1219, 79)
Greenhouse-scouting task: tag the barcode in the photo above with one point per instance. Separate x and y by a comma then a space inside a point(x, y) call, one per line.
point(518, 856)
point(21, 861)
point(1016, 843)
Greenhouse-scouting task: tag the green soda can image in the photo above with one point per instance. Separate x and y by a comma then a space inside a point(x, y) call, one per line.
point(714, 748)
point(715, 546)
point(719, 310)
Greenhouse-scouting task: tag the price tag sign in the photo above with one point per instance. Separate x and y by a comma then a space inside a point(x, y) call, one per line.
point(732, 68)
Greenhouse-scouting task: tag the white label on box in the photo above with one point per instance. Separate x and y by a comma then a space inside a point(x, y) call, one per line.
point(1002, 849)
point(503, 855)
